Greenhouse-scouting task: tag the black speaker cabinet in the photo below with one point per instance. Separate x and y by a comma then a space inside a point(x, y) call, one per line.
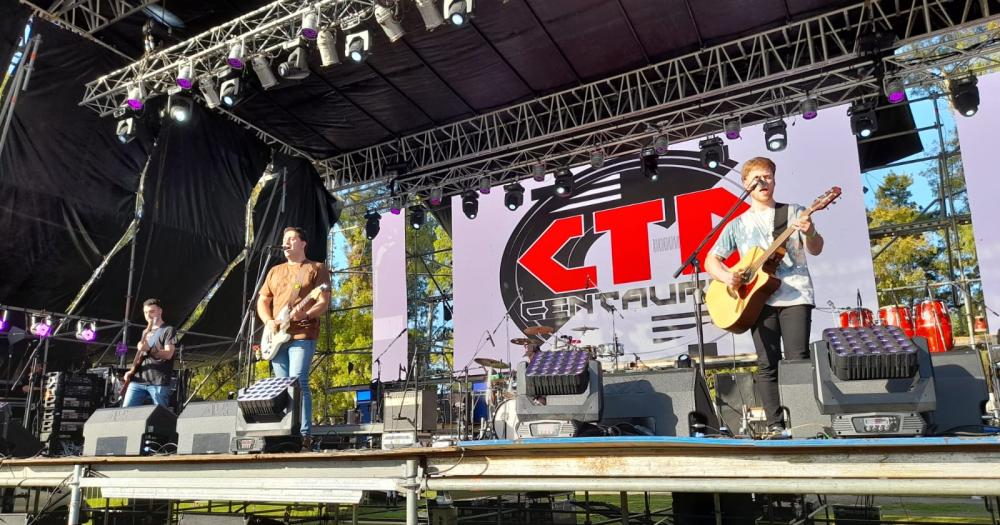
point(797, 390)
point(668, 402)
point(207, 427)
point(132, 431)
point(961, 391)
point(733, 392)
point(15, 441)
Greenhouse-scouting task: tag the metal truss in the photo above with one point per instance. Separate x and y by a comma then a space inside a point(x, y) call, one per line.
point(263, 31)
point(90, 16)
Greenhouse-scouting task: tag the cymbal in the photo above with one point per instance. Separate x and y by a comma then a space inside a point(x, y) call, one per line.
point(538, 330)
point(491, 363)
point(583, 329)
point(523, 341)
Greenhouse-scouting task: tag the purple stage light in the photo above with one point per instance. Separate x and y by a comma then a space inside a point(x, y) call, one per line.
point(42, 328)
point(121, 349)
point(185, 83)
point(896, 97)
point(88, 335)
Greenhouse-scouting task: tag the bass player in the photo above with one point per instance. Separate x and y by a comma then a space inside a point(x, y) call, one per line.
point(786, 317)
point(154, 362)
point(287, 284)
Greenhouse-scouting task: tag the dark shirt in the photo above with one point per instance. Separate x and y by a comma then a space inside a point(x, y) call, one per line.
point(155, 371)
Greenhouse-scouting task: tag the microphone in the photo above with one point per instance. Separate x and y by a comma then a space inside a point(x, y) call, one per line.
point(859, 299)
point(274, 247)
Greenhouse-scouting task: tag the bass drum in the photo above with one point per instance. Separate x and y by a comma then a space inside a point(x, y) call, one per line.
point(505, 420)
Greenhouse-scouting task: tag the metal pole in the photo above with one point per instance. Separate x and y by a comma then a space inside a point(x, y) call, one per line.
point(623, 499)
point(75, 496)
point(412, 491)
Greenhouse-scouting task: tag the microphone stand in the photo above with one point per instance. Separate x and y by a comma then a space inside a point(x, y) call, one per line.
point(693, 262)
point(378, 363)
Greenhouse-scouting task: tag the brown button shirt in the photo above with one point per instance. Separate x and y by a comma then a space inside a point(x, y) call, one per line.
point(289, 280)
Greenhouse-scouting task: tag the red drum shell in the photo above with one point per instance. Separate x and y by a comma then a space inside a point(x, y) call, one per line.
point(855, 318)
point(934, 323)
point(897, 315)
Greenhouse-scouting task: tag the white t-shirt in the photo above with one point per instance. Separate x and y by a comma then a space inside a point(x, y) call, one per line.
point(756, 228)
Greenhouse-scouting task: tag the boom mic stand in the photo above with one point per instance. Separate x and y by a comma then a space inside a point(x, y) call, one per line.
point(692, 260)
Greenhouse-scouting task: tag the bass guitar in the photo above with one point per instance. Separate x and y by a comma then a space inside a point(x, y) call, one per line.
point(737, 309)
point(270, 342)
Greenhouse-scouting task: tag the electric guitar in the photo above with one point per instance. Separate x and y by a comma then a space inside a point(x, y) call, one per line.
point(127, 379)
point(737, 309)
point(270, 342)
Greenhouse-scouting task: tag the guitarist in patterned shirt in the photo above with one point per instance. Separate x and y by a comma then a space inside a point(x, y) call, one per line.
point(289, 283)
point(788, 313)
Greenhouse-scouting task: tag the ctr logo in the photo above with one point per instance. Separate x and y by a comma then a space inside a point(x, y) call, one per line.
point(630, 255)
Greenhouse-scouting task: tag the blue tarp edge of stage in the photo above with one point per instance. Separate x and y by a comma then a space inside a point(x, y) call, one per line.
point(728, 442)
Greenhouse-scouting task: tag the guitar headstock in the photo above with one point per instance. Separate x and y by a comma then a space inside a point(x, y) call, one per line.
point(315, 293)
point(825, 199)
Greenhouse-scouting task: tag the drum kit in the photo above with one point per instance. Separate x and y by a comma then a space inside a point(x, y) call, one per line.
point(929, 318)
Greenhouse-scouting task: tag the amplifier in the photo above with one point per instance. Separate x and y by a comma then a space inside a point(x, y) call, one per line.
point(207, 427)
point(129, 431)
point(410, 411)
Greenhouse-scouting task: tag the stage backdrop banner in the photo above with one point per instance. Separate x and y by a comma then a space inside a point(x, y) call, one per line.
point(598, 266)
point(977, 139)
point(389, 299)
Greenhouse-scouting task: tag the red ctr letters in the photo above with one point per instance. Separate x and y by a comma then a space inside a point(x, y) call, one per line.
point(694, 221)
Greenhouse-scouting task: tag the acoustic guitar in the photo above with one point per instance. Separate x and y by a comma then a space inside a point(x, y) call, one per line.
point(737, 309)
point(271, 342)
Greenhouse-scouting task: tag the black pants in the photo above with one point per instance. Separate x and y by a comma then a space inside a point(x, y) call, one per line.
point(788, 324)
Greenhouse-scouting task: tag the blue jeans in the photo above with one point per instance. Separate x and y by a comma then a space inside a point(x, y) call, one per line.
point(137, 394)
point(294, 359)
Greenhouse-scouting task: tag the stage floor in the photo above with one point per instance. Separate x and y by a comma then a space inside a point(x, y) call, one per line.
point(953, 466)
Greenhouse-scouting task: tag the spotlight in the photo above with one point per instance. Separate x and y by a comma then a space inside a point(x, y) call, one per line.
point(185, 76)
point(308, 30)
point(357, 45)
point(650, 163)
point(386, 17)
point(894, 90)
point(136, 94)
point(470, 203)
point(712, 152)
point(597, 159)
point(485, 184)
point(863, 121)
point(4, 324)
point(513, 196)
point(428, 11)
point(86, 331)
point(437, 195)
point(327, 44)
point(235, 58)
point(179, 108)
point(231, 92)
point(732, 128)
point(457, 11)
point(810, 108)
point(125, 130)
point(661, 144)
point(295, 67)
point(207, 86)
point(538, 171)
point(683, 361)
point(417, 216)
point(372, 225)
point(564, 182)
point(776, 135)
point(965, 95)
point(41, 326)
point(396, 204)
point(262, 67)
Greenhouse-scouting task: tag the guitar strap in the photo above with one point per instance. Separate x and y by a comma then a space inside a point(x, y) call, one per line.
point(781, 211)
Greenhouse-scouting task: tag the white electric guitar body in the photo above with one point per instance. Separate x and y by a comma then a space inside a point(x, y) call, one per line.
point(270, 342)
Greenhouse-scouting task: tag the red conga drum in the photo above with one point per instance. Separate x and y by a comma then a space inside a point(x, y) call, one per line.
point(857, 318)
point(980, 326)
point(934, 323)
point(897, 315)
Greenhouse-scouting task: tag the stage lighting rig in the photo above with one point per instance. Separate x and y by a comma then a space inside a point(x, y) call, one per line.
point(231, 91)
point(262, 68)
point(209, 90)
point(864, 123)
point(776, 135)
point(470, 203)
point(125, 130)
point(180, 108)
point(309, 29)
point(372, 224)
point(732, 126)
point(437, 195)
point(661, 144)
point(712, 152)
point(513, 196)
point(327, 44)
point(235, 58)
point(396, 203)
point(357, 46)
point(597, 159)
point(389, 19)
point(538, 171)
point(457, 11)
point(894, 91)
point(649, 163)
point(965, 95)
point(485, 184)
point(136, 96)
point(429, 12)
point(41, 325)
point(4, 323)
point(86, 331)
point(564, 182)
point(417, 216)
point(185, 76)
point(295, 67)
point(810, 108)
